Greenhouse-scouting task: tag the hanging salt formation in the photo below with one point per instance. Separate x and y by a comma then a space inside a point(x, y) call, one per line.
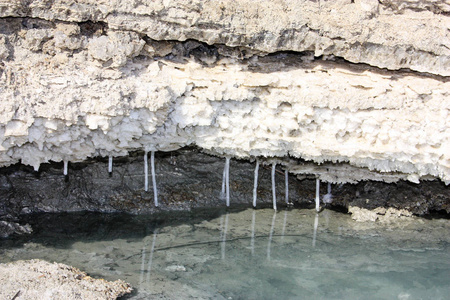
point(226, 180)
point(146, 171)
point(328, 198)
point(255, 186)
point(110, 162)
point(317, 194)
point(274, 194)
point(155, 191)
point(66, 165)
point(286, 177)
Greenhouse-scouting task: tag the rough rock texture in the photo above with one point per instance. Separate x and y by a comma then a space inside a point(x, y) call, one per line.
point(37, 279)
point(236, 78)
point(188, 179)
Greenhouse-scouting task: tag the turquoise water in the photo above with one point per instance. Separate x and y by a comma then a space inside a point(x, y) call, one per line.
point(248, 254)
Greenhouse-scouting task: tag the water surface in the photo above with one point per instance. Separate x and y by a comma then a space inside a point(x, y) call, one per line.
point(248, 254)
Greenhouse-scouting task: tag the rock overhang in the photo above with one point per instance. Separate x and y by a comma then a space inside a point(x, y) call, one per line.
point(130, 83)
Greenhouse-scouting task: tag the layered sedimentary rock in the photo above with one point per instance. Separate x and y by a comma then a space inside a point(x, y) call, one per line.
point(360, 83)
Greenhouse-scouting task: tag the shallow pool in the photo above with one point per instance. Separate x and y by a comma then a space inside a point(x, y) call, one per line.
point(248, 254)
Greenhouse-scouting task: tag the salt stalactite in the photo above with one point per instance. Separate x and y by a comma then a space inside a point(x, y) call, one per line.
point(271, 234)
point(150, 260)
point(66, 166)
point(316, 224)
point(252, 243)
point(286, 179)
point(328, 198)
point(146, 171)
point(317, 194)
point(284, 225)
point(223, 180)
point(110, 161)
point(224, 236)
point(255, 185)
point(227, 179)
point(274, 194)
point(155, 191)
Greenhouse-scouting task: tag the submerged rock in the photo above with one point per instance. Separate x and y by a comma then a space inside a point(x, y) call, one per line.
point(38, 279)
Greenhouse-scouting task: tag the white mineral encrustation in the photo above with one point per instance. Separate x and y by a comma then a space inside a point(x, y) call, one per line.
point(345, 90)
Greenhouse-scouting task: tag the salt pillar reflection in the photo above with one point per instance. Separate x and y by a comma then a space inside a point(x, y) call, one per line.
point(252, 242)
point(284, 225)
point(271, 234)
point(316, 224)
point(224, 235)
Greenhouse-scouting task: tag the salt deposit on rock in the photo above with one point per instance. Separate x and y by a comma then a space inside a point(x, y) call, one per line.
point(103, 79)
point(37, 279)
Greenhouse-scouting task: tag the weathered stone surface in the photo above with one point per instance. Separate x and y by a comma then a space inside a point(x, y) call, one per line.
point(187, 179)
point(85, 79)
point(37, 279)
point(387, 34)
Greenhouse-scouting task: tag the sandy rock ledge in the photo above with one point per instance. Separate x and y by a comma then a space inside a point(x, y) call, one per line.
point(37, 279)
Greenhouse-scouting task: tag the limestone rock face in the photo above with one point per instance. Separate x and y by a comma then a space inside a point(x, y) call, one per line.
point(363, 83)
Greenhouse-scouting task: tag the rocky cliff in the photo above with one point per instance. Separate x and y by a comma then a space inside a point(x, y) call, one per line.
point(361, 87)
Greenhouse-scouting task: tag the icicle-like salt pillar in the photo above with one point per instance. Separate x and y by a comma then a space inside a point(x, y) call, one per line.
point(286, 179)
point(271, 234)
point(110, 161)
point(317, 194)
point(328, 198)
point(252, 243)
point(227, 179)
point(224, 179)
point(66, 166)
point(224, 236)
point(274, 194)
point(155, 191)
point(149, 268)
point(255, 185)
point(146, 171)
point(316, 224)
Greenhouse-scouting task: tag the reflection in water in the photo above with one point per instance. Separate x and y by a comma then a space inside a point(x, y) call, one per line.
point(284, 225)
point(150, 260)
point(271, 234)
point(224, 234)
point(252, 242)
point(200, 258)
point(316, 224)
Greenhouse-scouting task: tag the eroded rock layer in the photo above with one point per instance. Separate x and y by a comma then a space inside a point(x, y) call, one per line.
point(359, 83)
